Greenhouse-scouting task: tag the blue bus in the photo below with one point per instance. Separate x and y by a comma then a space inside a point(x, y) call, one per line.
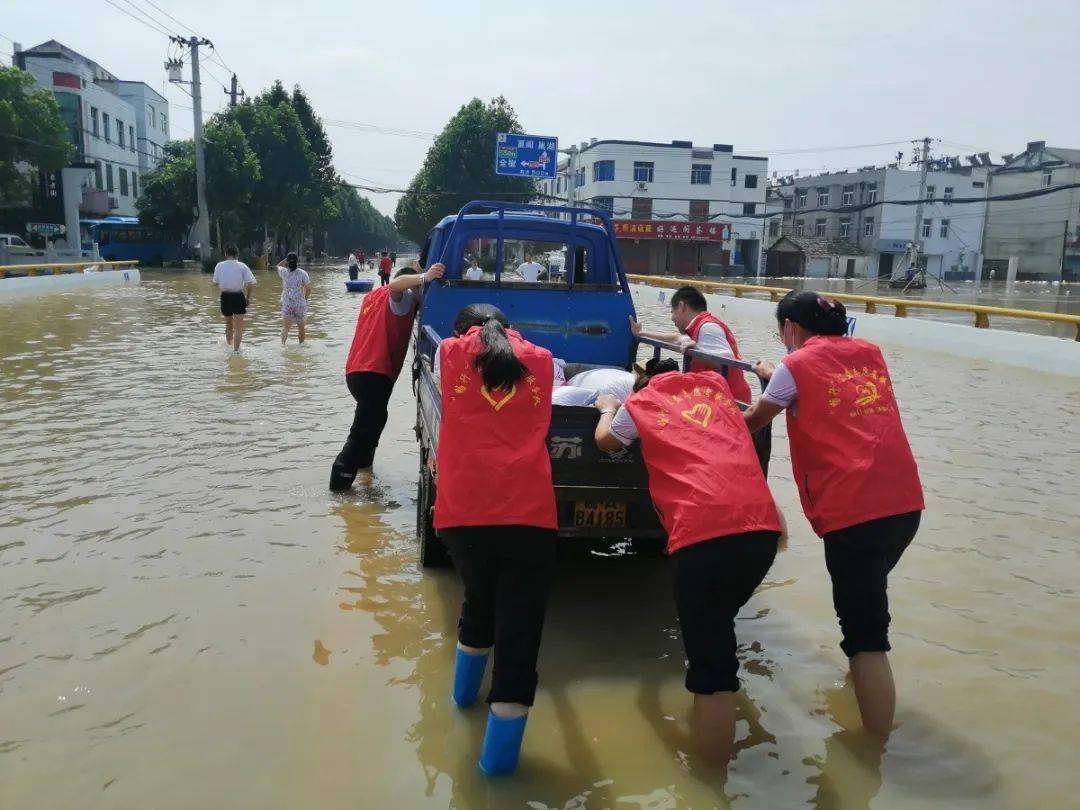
point(121, 238)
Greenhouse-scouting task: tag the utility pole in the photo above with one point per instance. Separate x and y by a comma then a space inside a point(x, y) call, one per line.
point(571, 174)
point(916, 236)
point(232, 92)
point(202, 221)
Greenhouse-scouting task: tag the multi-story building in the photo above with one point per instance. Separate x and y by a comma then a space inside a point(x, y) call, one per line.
point(858, 229)
point(1042, 232)
point(117, 126)
point(679, 209)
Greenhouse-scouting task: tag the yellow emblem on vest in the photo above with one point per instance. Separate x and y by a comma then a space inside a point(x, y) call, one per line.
point(700, 414)
point(497, 404)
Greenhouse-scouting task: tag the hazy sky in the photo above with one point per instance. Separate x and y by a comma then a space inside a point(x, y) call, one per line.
point(775, 78)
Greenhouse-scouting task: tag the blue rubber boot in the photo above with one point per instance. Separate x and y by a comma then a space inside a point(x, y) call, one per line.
point(468, 675)
point(502, 744)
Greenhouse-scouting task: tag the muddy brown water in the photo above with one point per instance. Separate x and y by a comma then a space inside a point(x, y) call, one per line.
point(189, 619)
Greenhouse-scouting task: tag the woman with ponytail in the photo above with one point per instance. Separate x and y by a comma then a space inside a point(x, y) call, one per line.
point(495, 509)
point(856, 475)
point(295, 289)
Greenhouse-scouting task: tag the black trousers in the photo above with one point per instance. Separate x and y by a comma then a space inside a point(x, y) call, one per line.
point(354, 272)
point(713, 580)
point(383, 280)
point(859, 559)
point(507, 572)
point(372, 394)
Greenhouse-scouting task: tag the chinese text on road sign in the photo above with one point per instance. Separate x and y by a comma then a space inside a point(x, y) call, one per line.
point(526, 155)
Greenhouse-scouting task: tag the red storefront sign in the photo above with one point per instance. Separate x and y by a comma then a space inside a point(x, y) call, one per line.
point(66, 80)
point(677, 231)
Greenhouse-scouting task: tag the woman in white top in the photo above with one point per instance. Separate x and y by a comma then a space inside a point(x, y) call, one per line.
point(474, 272)
point(295, 289)
point(354, 267)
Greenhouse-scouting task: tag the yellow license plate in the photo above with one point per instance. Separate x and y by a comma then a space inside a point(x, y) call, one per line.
point(600, 514)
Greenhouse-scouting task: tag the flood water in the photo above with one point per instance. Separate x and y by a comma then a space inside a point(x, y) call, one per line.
point(188, 618)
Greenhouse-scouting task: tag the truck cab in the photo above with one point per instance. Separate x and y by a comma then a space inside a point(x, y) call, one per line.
point(580, 311)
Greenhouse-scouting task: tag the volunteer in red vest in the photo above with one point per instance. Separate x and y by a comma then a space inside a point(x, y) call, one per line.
point(496, 410)
point(386, 266)
point(722, 524)
point(378, 350)
point(698, 327)
point(856, 476)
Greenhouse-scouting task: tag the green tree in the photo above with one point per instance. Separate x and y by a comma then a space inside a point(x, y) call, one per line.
point(31, 131)
point(168, 192)
point(459, 167)
point(357, 224)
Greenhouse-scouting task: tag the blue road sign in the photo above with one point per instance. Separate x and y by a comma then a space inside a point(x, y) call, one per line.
point(526, 155)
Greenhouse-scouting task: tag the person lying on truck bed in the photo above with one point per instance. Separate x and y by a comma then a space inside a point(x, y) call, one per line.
point(722, 525)
point(698, 327)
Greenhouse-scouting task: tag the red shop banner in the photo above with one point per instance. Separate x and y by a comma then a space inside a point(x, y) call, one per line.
point(681, 231)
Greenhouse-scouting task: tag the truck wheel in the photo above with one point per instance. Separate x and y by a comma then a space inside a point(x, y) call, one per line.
point(433, 553)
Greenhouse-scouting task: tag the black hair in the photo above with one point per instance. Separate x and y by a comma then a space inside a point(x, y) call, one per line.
point(230, 250)
point(814, 313)
point(497, 363)
point(692, 297)
point(291, 261)
point(405, 271)
point(655, 368)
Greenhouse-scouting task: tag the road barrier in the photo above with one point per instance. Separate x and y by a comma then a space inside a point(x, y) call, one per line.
point(59, 268)
point(871, 302)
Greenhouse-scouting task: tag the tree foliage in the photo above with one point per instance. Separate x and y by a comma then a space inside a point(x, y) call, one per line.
point(459, 167)
point(31, 131)
point(358, 224)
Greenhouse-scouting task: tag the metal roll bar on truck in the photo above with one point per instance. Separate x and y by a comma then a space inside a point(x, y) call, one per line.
point(583, 318)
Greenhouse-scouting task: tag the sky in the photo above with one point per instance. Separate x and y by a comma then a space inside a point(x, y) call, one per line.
point(811, 85)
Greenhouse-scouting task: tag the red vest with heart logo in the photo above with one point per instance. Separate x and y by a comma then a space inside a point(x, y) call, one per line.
point(736, 381)
point(849, 452)
point(492, 458)
point(704, 475)
point(381, 339)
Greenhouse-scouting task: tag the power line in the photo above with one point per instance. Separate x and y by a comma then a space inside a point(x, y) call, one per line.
point(171, 17)
point(152, 21)
point(122, 10)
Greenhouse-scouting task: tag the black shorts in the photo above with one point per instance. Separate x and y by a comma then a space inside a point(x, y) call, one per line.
point(713, 580)
point(859, 559)
point(233, 303)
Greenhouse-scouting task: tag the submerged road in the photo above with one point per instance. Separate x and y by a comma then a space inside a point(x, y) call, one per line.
point(188, 618)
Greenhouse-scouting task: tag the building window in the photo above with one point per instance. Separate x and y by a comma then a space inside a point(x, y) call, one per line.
point(108, 177)
point(822, 197)
point(94, 123)
point(787, 203)
point(749, 208)
point(579, 179)
point(868, 226)
point(802, 200)
point(930, 192)
point(701, 174)
point(120, 132)
point(105, 122)
point(150, 115)
point(774, 227)
point(604, 203)
point(845, 226)
point(871, 192)
point(819, 227)
point(164, 126)
point(97, 175)
point(603, 170)
point(123, 182)
point(799, 227)
point(927, 227)
point(131, 138)
point(134, 185)
point(849, 195)
point(734, 175)
point(1048, 177)
point(750, 181)
point(948, 195)
point(699, 210)
point(643, 171)
point(978, 184)
point(641, 208)
point(944, 229)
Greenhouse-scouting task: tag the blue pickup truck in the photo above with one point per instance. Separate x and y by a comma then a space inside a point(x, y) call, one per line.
point(579, 309)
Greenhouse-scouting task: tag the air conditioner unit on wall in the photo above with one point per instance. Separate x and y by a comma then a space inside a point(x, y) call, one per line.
point(642, 186)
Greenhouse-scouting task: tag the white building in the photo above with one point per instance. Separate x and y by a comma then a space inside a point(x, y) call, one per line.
point(861, 229)
point(118, 126)
point(679, 209)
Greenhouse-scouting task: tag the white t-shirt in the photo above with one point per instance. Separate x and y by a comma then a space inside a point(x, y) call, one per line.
point(474, 274)
point(781, 389)
point(711, 339)
point(232, 275)
point(530, 271)
point(405, 305)
point(573, 395)
point(614, 381)
point(352, 260)
point(623, 427)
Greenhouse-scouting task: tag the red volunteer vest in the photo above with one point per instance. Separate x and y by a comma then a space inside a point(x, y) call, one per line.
point(849, 452)
point(704, 475)
point(493, 462)
point(736, 381)
point(381, 340)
